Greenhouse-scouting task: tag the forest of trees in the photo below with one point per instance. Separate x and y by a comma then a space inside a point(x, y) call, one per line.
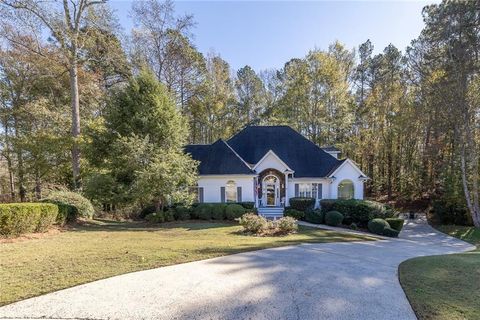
point(409, 119)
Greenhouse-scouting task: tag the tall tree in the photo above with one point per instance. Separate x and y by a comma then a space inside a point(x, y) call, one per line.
point(68, 24)
point(250, 95)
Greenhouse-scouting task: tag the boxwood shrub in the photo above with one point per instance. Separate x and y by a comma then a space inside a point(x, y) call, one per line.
point(218, 211)
point(377, 226)
point(315, 216)
point(19, 218)
point(358, 211)
point(333, 218)
point(234, 211)
point(302, 203)
point(390, 232)
point(294, 213)
point(395, 223)
point(182, 213)
point(247, 205)
point(84, 206)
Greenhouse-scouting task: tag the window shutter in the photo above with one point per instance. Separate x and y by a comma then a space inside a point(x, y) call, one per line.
point(200, 194)
point(222, 194)
point(297, 187)
point(319, 191)
point(239, 194)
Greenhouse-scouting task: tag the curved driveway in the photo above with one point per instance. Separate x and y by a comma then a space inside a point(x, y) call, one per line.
point(352, 280)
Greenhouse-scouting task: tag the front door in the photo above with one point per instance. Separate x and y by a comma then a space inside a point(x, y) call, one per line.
point(271, 190)
point(271, 194)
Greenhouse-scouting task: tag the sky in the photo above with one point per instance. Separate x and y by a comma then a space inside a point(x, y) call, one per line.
point(267, 34)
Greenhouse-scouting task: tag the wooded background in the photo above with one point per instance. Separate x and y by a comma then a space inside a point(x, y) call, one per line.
point(409, 119)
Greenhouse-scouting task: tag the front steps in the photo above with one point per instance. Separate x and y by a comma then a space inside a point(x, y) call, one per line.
point(271, 212)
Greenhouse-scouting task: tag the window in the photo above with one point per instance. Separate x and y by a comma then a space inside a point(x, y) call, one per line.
point(305, 190)
point(345, 189)
point(231, 191)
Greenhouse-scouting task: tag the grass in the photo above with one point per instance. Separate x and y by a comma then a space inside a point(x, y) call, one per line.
point(447, 286)
point(103, 249)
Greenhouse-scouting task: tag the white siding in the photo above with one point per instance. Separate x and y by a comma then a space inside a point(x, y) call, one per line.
point(270, 161)
point(211, 187)
point(347, 171)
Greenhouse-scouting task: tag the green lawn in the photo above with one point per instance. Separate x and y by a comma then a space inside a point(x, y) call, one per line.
point(105, 248)
point(448, 286)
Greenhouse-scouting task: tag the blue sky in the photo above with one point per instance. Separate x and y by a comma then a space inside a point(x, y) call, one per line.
point(268, 34)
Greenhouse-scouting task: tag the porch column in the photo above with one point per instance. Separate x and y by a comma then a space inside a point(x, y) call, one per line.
point(286, 190)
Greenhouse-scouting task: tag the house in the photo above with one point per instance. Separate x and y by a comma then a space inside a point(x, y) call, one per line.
point(268, 165)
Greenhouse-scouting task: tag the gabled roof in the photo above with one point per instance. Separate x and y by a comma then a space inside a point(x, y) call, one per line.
point(353, 164)
point(299, 153)
point(217, 158)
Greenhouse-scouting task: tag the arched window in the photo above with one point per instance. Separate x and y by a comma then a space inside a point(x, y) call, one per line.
point(345, 189)
point(231, 191)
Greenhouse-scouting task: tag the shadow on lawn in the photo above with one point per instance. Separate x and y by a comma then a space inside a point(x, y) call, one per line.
point(115, 226)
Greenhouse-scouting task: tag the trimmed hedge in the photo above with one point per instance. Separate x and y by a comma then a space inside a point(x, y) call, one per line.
point(377, 226)
point(66, 212)
point(218, 211)
point(302, 204)
point(182, 213)
point(315, 216)
point(358, 211)
point(234, 211)
point(19, 218)
point(395, 223)
point(390, 232)
point(296, 214)
point(84, 206)
point(247, 205)
point(333, 218)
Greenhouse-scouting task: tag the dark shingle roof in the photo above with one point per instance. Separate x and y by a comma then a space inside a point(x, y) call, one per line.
point(217, 158)
point(299, 153)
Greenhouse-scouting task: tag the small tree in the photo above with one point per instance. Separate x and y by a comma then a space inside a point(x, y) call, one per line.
point(140, 144)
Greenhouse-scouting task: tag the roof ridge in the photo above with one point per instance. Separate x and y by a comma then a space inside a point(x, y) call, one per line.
point(235, 152)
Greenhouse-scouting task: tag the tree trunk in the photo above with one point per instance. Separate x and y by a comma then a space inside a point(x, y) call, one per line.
point(38, 186)
point(75, 103)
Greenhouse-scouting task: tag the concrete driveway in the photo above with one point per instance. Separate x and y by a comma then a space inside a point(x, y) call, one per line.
point(356, 280)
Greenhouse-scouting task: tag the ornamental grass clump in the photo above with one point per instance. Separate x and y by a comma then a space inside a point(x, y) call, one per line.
point(259, 226)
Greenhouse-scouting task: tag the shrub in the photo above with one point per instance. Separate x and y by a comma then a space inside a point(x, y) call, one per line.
point(253, 223)
point(146, 211)
point(247, 205)
point(333, 218)
point(182, 213)
point(296, 214)
point(218, 211)
point(83, 205)
point(234, 211)
point(390, 232)
point(302, 204)
point(18, 218)
point(395, 223)
point(377, 226)
point(169, 215)
point(66, 212)
point(156, 217)
point(451, 211)
point(204, 211)
point(353, 226)
point(286, 225)
point(315, 216)
point(358, 211)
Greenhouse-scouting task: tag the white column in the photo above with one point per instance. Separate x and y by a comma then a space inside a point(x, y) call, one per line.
point(286, 190)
